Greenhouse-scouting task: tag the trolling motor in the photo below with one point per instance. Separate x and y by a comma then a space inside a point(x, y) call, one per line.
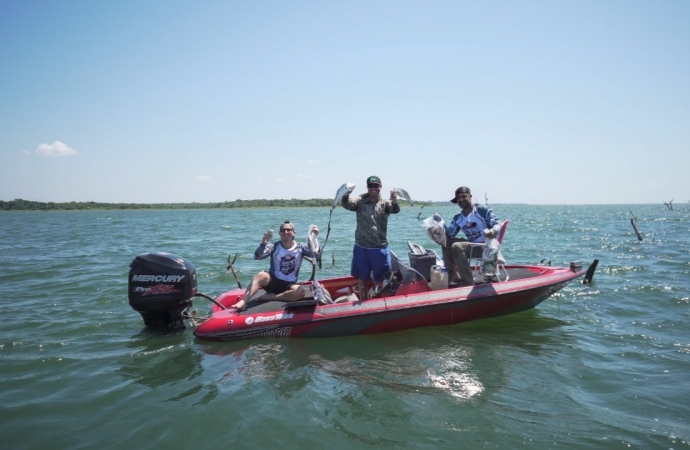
point(161, 286)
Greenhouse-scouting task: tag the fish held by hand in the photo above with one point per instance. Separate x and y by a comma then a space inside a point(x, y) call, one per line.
point(346, 188)
point(402, 193)
point(313, 239)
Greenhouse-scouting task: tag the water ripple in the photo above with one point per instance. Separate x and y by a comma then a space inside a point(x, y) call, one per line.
point(600, 366)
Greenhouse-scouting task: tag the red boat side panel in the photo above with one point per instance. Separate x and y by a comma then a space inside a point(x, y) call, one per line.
point(387, 314)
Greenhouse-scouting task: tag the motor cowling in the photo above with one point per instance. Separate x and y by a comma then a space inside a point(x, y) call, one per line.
point(161, 286)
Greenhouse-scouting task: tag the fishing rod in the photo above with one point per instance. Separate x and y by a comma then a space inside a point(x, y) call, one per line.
point(328, 233)
point(313, 268)
point(342, 190)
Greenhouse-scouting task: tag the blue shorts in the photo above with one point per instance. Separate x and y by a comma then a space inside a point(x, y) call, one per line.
point(368, 260)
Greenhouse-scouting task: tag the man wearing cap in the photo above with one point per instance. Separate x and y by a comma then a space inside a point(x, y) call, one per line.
point(280, 282)
point(477, 222)
point(370, 253)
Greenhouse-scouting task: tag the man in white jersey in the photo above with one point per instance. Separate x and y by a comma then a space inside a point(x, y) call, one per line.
point(280, 282)
point(477, 222)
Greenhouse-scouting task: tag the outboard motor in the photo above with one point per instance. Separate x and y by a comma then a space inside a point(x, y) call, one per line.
point(161, 287)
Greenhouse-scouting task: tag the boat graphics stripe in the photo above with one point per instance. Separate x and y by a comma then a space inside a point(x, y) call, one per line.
point(271, 331)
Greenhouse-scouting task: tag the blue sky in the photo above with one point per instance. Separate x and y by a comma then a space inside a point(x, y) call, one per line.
point(540, 102)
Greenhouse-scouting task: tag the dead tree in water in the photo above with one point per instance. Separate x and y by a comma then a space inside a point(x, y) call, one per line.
point(633, 222)
point(230, 267)
point(669, 205)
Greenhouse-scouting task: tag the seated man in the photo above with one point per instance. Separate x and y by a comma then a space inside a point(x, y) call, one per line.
point(280, 282)
point(477, 222)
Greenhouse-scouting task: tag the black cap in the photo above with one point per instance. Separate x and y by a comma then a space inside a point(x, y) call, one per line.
point(460, 190)
point(374, 179)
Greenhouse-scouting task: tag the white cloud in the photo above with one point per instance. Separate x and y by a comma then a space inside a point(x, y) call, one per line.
point(281, 180)
point(204, 178)
point(312, 161)
point(25, 152)
point(301, 175)
point(57, 148)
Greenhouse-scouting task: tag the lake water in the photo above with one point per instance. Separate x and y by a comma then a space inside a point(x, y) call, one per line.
point(601, 366)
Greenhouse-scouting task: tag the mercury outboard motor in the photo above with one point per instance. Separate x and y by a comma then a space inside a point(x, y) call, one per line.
point(161, 287)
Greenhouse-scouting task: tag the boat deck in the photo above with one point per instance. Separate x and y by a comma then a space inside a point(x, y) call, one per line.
point(256, 305)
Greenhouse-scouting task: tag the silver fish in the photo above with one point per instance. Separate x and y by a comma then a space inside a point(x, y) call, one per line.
point(345, 188)
point(435, 229)
point(313, 240)
point(491, 249)
point(402, 193)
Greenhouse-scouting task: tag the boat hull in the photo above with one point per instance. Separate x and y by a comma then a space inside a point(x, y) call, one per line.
point(386, 314)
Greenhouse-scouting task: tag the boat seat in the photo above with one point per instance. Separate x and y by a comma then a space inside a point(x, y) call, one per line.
point(256, 304)
point(301, 303)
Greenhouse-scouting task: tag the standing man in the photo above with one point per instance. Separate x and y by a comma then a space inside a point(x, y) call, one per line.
point(371, 253)
point(477, 222)
point(280, 282)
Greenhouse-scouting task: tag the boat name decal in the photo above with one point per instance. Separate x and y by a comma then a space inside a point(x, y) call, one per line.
point(158, 289)
point(282, 316)
point(158, 278)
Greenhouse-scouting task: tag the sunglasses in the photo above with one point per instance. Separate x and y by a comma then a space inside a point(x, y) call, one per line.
point(285, 230)
point(373, 185)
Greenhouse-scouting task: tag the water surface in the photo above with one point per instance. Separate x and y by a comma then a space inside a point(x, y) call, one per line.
point(604, 366)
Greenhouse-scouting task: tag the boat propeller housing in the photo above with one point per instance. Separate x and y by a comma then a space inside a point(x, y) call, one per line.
point(161, 286)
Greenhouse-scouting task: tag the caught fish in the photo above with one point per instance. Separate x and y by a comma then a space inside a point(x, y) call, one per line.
point(402, 193)
point(435, 229)
point(344, 189)
point(313, 239)
point(313, 244)
point(490, 253)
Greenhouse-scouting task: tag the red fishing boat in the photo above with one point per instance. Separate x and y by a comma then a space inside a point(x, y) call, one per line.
point(161, 287)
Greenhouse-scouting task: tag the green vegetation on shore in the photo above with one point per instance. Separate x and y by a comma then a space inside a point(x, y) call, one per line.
point(27, 205)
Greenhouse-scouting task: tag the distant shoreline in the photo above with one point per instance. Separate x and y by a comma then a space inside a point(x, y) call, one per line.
point(28, 205)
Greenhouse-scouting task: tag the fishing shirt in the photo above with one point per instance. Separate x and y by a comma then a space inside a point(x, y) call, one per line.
point(372, 219)
point(285, 262)
point(474, 224)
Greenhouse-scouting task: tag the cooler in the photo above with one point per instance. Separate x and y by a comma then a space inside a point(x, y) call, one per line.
point(423, 263)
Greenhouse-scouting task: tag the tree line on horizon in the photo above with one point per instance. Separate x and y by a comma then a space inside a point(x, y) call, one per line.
point(28, 205)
